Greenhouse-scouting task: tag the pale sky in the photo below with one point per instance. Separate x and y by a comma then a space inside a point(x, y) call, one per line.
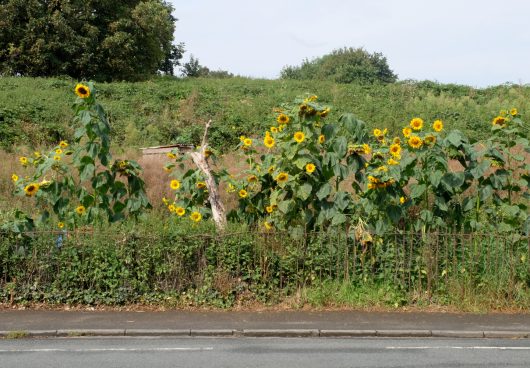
point(474, 42)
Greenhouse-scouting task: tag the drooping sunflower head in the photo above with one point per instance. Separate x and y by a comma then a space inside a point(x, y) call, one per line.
point(321, 139)
point(196, 216)
point(252, 179)
point(267, 225)
point(82, 90)
point(174, 184)
point(396, 140)
point(395, 150)
point(299, 137)
point(499, 120)
point(31, 189)
point(171, 155)
point(80, 210)
point(268, 141)
point(416, 123)
point(324, 112)
point(282, 177)
point(407, 132)
point(270, 170)
point(243, 193)
point(415, 142)
point(201, 185)
point(282, 119)
point(438, 125)
point(310, 168)
point(392, 162)
point(429, 140)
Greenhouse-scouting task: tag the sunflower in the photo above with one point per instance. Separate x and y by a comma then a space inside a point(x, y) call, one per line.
point(167, 169)
point(174, 184)
point(391, 161)
point(171, 208)
point(416, 123)
point(282, 177)
point(367, 149)
point(407, 132)
point(171, 155)
point(371, 186)
point(282, 119)
point(36, 154)
point(395, 149)
point(31, 189)
point(430, 139)
point(415, 142)
point(438, 126)
point(14, 177)
point(82, 91)
point(310, 168)
point(23, 160)
point(378, 133)
point(243, 193)
point(57, 158)
point(58, 151)
point(513, 111)
point(402, 200)
point(271, 169)
point(321, 139)
point(247, 142)
point(180, 211)
point(60, 225)
point(252, 178)
point(196, 216)
point(274, 129)
point(63, 144)
point(201, 185)
point(299, 137)
point(268, 141)
point(324, 112)
point(396, 140)
point(80, 210)
point(267, 225)
point(499, 120)
point(269, 209)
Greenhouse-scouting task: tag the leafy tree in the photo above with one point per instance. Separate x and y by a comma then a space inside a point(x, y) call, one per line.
point(346, 65)
point(91, 39)
point(194, 69)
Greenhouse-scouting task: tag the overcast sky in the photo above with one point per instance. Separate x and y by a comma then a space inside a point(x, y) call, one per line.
point(474, 42)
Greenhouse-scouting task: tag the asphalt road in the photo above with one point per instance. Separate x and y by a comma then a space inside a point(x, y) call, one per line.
point(262, 352)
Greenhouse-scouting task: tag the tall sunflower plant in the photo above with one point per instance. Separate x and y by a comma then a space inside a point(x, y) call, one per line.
point(78, 183)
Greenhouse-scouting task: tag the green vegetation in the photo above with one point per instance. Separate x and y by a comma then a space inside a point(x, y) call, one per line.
point(37, 111)
point(101, 40)
point(346, 65)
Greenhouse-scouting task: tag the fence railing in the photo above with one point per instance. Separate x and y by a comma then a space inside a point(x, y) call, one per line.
point(124, 267)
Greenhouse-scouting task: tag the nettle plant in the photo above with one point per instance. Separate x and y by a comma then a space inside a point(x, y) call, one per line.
point(79, 184)
point(306, 173)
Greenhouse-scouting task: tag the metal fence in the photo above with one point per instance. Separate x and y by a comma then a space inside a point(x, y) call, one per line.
point(270, 265)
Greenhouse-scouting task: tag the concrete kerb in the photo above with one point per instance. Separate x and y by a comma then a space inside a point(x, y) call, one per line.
point(264, 333)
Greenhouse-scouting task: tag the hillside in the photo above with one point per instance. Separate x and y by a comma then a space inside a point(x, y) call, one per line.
point(36, 111)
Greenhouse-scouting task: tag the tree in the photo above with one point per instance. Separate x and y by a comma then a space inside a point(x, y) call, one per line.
point(346, 65)
point(90, 39)
point(194, 69)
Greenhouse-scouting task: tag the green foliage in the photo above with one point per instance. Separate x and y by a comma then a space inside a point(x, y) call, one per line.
point(121, 40)
point(87, 187)
point(346, 65)
point(193, 69)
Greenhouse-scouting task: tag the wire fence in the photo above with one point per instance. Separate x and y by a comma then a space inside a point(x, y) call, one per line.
point(108, 267)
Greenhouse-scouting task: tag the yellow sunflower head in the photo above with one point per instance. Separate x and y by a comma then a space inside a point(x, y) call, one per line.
point(14, 177)
point(23, 160)
point(269, 209)
point(247, 142)
point(310, 168)
point(438, 126)
point(80, 210)
point(407, 132)
point(267, 225)
point(396, 140)
point(252, 178)
point(367, 149)
point(171, 155)
point(196, 216)
point(82, 90)
point(60, 225)
point(58, 151)
point(378, 133)
point(282, 119)
point(63, 144)
point(180, 211)
point(243, 193)
point(36, 154)
point(174, 184)
point(430, 139)
point(201, 185)
point(321, 139)
point(57, 158)
point(274, 129)
point(270, 170)
point(415, 142)
point(402, 200)
point(395, 150)
point(282, 177)
point(299, 137)
point(416, 123)
point(513, 111)
point(31, 189)
point(268, 141)
point(171, 208)
point(499, 120)
point(391, 162)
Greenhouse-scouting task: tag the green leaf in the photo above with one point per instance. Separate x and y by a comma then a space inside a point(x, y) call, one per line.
point(338, 219)
point(453, 180)
point(340, 146)
point(485, 192)
point(342, 200)
point(435, 178)
point(479, 170)
point(324, 191)
point(417, 190)
point(454, 138)
point(304, 191)
point(285, 206)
